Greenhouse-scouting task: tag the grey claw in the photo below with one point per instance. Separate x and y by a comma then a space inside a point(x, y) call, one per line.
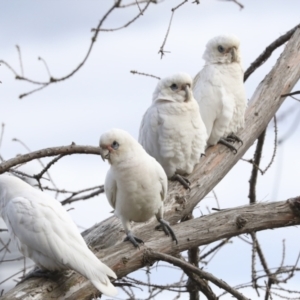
point(134, 240)
point(227, 144)
point(37, 272)
point(235, 138)
point(167, 229)
point(184, 181)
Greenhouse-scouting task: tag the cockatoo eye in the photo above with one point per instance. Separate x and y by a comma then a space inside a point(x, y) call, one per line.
point(220, 49)
point(115, 145)
point(174, 87)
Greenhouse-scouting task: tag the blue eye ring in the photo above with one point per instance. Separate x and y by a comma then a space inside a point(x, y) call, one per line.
point(220, 49)
point(115, 145)
point(174, 87)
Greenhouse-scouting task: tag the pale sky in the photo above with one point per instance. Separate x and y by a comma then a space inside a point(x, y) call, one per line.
point(104, 94)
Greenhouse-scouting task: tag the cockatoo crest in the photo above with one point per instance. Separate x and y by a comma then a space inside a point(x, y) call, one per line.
point(222, 49)
point(175, 88)
point(118, 145)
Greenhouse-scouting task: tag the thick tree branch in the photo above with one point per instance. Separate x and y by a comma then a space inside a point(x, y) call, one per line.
point(63, 150)
point(124, 259)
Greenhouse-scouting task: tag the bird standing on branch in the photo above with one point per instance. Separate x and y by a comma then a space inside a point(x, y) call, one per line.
point(220, 92)
point(172, 130)
point(44, 232)
point(135, 185)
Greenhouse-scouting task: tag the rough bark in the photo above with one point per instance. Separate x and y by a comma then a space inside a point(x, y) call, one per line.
point(106, 237)
point(123, 258)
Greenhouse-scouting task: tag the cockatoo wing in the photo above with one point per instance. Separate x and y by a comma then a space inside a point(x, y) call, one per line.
point(163, 181)
point(148, 135)
point(110, 187)
point(46, 233)
point(216, 106)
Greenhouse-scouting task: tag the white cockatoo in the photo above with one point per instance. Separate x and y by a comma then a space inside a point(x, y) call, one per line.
point(135, 185)
point(172, 130)
point(220, 92)
point(44, 232)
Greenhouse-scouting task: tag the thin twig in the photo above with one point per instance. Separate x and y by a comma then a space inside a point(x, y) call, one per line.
point(221, 244)
point(241, 6)
point(161, 51)
point(44, 84)
point(292, 129)
point(46, 66)
point(268, 51)
point(38, 176)
point(91, 195)
point(295, 98)
point(276, 142)
point(152, 255)
point(261, 255)
point(253, 270)
point(39, 160)
point(144, 74)
point(291, 94)
point(274, 148)
point(196, 283)
point(125, 25)
point(20, 59)
point(255, 167)
point(137, 3)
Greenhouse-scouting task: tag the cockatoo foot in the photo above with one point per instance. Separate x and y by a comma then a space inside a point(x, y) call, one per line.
point(133, 239)
point(224, 142)
point(37, 272)
point(165, 226)
point(232, 137)
point(184, 181)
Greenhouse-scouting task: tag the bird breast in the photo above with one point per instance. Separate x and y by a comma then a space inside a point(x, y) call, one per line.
point(138, 194)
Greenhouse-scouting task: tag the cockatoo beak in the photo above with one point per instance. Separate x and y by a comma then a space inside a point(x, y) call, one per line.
point(104, 152)
point(188, 92)
point(233, 52)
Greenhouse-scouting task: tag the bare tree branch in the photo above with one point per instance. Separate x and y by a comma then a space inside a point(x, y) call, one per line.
point(240, 5)
point(161, 51)
point(255, 167)
point(129, 22)
point(268, 51)
point(145, 74)
point(66, 150)
point(44, 84)
point(291, 94)
point(151, 255)
point(124, 259)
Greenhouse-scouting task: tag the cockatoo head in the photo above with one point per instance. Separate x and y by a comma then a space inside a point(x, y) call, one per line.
point(222, 49)
point(117, 145)
point(175, 88)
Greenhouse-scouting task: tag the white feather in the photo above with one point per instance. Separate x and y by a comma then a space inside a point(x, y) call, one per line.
point(44, 232)
point(136, 184)
point(172, 130)
point(219, 88)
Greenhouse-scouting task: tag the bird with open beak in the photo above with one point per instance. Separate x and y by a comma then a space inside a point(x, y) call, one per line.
point(172, 130)
point(135, 185)
point(220, 92)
